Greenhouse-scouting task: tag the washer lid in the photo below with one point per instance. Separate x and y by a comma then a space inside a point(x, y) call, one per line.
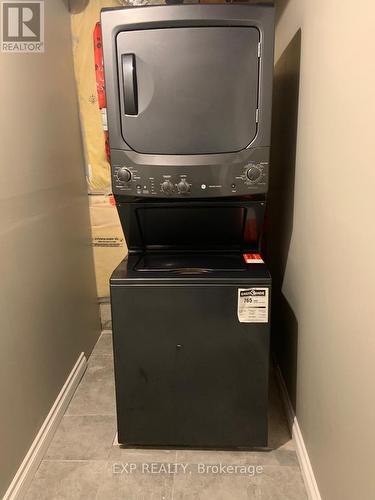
point(190, 90)
point(190, 263)
point(127, 274)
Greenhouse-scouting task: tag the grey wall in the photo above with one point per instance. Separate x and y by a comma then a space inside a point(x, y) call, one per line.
point(323, 234)
point(48, 310)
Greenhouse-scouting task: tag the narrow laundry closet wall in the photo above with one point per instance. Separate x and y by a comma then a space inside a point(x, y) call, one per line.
point(324, 269)
point(49, 312)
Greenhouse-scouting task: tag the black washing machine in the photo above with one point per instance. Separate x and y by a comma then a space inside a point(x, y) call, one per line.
point(189, 106)
point(189, 370)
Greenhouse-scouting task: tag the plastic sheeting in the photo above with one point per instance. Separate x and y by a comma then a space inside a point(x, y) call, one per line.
point(83, 24)
point(107, 239)
point(108, 242)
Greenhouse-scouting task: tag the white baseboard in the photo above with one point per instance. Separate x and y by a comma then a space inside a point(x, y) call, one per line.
point(303, 457)
point(34, 456)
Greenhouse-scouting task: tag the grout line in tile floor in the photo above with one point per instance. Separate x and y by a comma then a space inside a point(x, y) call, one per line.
point(75, 460)
point(89, 415)
point(173, 479)
point(100, 354)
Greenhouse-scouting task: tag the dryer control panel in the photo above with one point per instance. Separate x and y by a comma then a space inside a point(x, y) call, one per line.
point(242, 173)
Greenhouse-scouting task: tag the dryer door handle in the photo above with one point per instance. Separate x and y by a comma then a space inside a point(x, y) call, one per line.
point(129, 78)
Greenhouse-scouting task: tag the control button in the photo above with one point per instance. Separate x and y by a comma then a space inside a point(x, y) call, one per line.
point(124, 174)
point(254, 174)
point(203, 186)
point(167, 187)
point(233, 186)
point(139, 187)
point(183, 187)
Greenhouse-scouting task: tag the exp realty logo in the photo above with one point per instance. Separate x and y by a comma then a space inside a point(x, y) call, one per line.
point(22, 26)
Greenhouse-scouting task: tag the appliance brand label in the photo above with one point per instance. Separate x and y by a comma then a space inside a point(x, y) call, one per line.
point(252, 305)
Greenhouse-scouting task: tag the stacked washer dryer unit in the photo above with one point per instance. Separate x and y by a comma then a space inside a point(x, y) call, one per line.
point(189, 109)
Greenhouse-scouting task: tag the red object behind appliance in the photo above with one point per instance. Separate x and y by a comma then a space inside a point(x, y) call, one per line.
point(100, 83)
point(99, 66)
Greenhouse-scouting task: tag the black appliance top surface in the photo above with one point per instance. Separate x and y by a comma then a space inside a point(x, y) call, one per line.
point(198, 268)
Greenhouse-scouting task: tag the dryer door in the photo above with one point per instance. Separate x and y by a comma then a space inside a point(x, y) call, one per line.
point(188, 90)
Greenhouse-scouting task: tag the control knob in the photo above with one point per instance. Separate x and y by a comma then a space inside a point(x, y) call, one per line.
point(124, 174)
point(254, 174)
point(167, 187)
point(183, 187)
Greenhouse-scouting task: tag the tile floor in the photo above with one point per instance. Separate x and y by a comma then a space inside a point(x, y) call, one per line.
point(83, 461)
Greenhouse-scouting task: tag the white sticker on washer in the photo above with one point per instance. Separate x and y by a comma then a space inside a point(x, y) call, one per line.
point(252, 305)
